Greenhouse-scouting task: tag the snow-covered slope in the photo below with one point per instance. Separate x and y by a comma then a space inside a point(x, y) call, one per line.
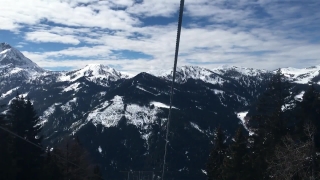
point(191, 72)
point(302, 76)
point(217, 75)
point(236, 72)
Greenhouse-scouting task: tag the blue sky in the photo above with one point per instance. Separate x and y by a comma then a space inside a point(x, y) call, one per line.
point(139, 35)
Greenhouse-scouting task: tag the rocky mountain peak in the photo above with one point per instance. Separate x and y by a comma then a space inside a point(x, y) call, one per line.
point(9, 56)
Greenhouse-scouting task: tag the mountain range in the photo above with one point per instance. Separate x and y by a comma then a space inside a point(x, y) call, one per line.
point(120, 119)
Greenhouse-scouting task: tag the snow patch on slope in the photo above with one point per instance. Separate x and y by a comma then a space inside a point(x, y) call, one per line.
point(110, 112)
point(100, 149)
point(241, 116)
point(217, 91)
point(161, 105)
point(196, 127)
point(47, 113)
point(109, 116)
point(73, 87)
point(68, 106)
point(4, 95)
point(299, 96)
point(138, 87)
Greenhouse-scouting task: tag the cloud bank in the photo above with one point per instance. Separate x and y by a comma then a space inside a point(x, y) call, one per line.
point(139, 35)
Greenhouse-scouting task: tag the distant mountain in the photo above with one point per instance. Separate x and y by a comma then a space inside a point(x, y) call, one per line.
point(97, 73)
point(121, 120)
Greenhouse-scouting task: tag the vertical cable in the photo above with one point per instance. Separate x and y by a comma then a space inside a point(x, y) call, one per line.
point(172, 84)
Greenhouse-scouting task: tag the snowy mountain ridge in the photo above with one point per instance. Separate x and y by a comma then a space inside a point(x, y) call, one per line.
point(109, 110)
point(303, 75)
point(14, 63)
point(97, 73)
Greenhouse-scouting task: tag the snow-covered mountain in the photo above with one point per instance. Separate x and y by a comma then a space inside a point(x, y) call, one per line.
point(121, 119)
point(302, 76)
point(97, 73)
point(11, 57)
point(194, 72)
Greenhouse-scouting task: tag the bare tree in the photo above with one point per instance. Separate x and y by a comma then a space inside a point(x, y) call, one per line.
point(295, 159)
point(75, 165)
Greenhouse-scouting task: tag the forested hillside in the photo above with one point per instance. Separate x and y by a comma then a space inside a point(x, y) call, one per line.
point(284, 139)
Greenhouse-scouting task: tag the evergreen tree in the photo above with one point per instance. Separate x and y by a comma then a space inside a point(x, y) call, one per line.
point(271, 107)
point(310, 112)
point(7, 168)
point(72, 161)
point(255, 160)
point(27, 156)
point(270, 123)
point(51, 170)
point(97, 175)
point(216, 156)
point(234, 163)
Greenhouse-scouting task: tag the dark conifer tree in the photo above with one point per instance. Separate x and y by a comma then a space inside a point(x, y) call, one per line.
point(271, 107)
point(7, 168)
point(216, 157)
point(97, 175)
point(234, 166)
point(310, 111)
point(51, 170)
point(28, 156)
point(71, 162)
point(270, 122)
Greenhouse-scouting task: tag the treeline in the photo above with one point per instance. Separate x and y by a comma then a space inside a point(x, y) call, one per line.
point(23, 157)
point(284, 143)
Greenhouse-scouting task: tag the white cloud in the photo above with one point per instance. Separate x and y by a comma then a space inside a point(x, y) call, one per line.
point(97, 14)
point(51, 37)
point(149, 8)
point(250, 33)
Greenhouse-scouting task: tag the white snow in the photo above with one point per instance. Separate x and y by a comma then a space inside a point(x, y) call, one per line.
point(147, 91)
point(73, 87)
point(110, 112)
point(299, 96)
point(96, 73)
point(186, 72)
point(217, 91)
point(24, 95)
point(301, 76)
point(204, 172)
point(47, 113)
point(67, 107)
point(17, 59)
point(140, 115)
point(196, 127)
point(241, 116)
point(4, 95)
point(242, 70)
point(100, 149)
point(109, 116)
point(161, 105)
